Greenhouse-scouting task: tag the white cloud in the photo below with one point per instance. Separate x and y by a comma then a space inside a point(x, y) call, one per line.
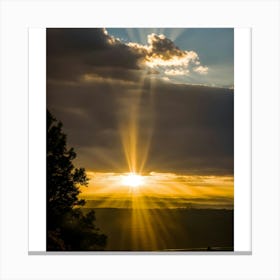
point(163, 56)
point(176, 72)
point(201, 69)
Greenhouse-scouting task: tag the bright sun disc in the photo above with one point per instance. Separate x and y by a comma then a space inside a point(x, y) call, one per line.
point(133, 180)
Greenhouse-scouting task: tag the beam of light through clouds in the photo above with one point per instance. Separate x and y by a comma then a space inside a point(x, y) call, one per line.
point(141, 101)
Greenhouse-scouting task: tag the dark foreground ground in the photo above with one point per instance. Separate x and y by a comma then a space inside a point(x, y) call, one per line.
point(166, 229)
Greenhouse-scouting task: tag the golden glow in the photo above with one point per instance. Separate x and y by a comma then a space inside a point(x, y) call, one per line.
point(147, 194)
point(159, 190)
point(132, 180)
point(136, 137)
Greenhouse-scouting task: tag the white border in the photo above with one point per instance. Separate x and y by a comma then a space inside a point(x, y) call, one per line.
point(17, 16)
point(37, 140)
point(242, 140)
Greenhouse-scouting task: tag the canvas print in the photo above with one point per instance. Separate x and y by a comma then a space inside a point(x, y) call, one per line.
point(140, 139)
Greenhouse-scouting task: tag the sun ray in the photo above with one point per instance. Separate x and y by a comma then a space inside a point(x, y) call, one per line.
point(175, 33)
point(132, 34)
point(135, 136)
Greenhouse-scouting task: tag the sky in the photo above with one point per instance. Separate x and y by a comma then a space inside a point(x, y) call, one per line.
point(157, 102)
point(215, 47)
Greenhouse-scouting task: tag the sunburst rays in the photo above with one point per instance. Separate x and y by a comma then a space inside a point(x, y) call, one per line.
point(136, 190)
point(146, 203)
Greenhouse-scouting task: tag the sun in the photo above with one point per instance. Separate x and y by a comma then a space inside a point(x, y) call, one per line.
point(132, 180)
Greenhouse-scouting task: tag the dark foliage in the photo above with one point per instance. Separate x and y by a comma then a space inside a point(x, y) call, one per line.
point(68, 227)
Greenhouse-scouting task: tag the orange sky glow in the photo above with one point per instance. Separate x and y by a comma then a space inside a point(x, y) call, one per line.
point(156, 190)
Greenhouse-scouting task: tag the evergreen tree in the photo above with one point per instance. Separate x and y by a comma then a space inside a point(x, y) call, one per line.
point(68, 226)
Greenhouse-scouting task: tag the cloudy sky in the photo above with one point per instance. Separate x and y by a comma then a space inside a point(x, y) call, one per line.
point(144, 100)
point(212, 46)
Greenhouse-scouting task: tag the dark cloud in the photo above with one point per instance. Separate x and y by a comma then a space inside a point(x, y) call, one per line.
point(163, 47)
point(189, 128)
point(193, 129)
point(74, 40)
point(73, 52)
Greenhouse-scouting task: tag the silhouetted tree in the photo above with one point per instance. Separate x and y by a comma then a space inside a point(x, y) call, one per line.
point(68, 227)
